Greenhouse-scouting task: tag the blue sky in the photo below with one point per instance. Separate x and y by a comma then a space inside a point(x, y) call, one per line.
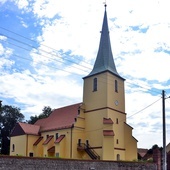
point(47, 47)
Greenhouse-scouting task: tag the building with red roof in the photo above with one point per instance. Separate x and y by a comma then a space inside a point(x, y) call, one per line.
point(96, 128)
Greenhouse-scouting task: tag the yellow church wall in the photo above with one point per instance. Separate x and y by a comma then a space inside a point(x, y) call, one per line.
point(94, 126)
point(50, 144)
point(30, 141)
point(67, 144)
point(60, 148)
point(77, 134)
point(18, 145)
point(80, 120)
point(108, 148)
point(115, 99)
point(119, 154)
point(94, 129)
point(105, 96)
point(38, 149)
point(98, 96)
point(118, 127)
point(130, 144)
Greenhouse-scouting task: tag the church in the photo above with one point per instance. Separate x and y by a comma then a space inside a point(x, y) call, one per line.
point(95, 128)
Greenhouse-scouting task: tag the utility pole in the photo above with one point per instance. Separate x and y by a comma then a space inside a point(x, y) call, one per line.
point(164, 130)
point(0, 129)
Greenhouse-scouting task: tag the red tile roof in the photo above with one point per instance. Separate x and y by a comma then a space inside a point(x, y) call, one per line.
point(30, 129)
point(58, 140)
point(59, 119)
point(107, 121)
point(142, 152)
point(108, 133)
point(25, 128)
point(38, 141)
point(48, 140)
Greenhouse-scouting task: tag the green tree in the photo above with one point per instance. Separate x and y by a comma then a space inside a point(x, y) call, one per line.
point(9, 116)
point(46, 111)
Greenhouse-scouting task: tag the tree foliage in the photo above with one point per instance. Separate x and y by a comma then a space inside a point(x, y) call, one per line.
point(46, 111)
point(9, 116)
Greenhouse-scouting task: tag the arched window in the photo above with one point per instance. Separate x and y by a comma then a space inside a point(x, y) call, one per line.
point(118, 157)
point(13, 147)
point(117, 121)
point(117, 141)
point(95, 84)
point(116, 86)
point(56, 136)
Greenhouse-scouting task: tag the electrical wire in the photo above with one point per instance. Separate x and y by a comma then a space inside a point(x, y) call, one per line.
point(144, 108)
point(82, 66)
point(123, 120)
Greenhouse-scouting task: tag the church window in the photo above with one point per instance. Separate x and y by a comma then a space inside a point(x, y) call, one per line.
point(56, 135)
point(117, 121)
point(79, 142)
point(13, 147)
point(95, 84)
point(116, 86)
point(117, 141)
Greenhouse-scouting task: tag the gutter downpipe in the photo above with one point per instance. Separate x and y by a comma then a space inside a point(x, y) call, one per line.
point(26, 145)
point(71, 142)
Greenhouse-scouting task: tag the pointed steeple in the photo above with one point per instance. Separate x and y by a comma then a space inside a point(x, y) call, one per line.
point(104, 61)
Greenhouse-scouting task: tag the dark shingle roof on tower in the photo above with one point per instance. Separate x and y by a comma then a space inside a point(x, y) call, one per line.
point(104, 61)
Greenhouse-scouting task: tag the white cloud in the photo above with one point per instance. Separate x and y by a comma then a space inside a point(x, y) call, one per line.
point(2, 37)
point(22, 4)
point(5, 53)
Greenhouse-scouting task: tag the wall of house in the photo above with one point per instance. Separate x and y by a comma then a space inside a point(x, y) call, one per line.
point(118, 127)
point(31, 141)
point(95, 99)
point(94, 129)
point(78, 132)
point(115, 96)
point(108, 148)
point(102, 104)
point(8, 163)
point(68, 144)
point(38, 149)
point(130, 144)
point(60, 150)
point(18, 145)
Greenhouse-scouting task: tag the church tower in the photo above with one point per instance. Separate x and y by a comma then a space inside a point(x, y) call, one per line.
point(106, 129)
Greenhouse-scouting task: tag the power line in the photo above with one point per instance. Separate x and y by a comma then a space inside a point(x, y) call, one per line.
point(33, 47)
point(123, 120)
point(144, 108)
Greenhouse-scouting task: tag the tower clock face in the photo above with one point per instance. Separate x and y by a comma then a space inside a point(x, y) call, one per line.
point(116, 103)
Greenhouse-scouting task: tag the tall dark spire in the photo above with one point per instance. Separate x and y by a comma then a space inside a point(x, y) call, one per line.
point(104, 61)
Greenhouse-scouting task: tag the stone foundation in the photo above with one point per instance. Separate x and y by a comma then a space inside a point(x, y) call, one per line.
point(27, 163)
